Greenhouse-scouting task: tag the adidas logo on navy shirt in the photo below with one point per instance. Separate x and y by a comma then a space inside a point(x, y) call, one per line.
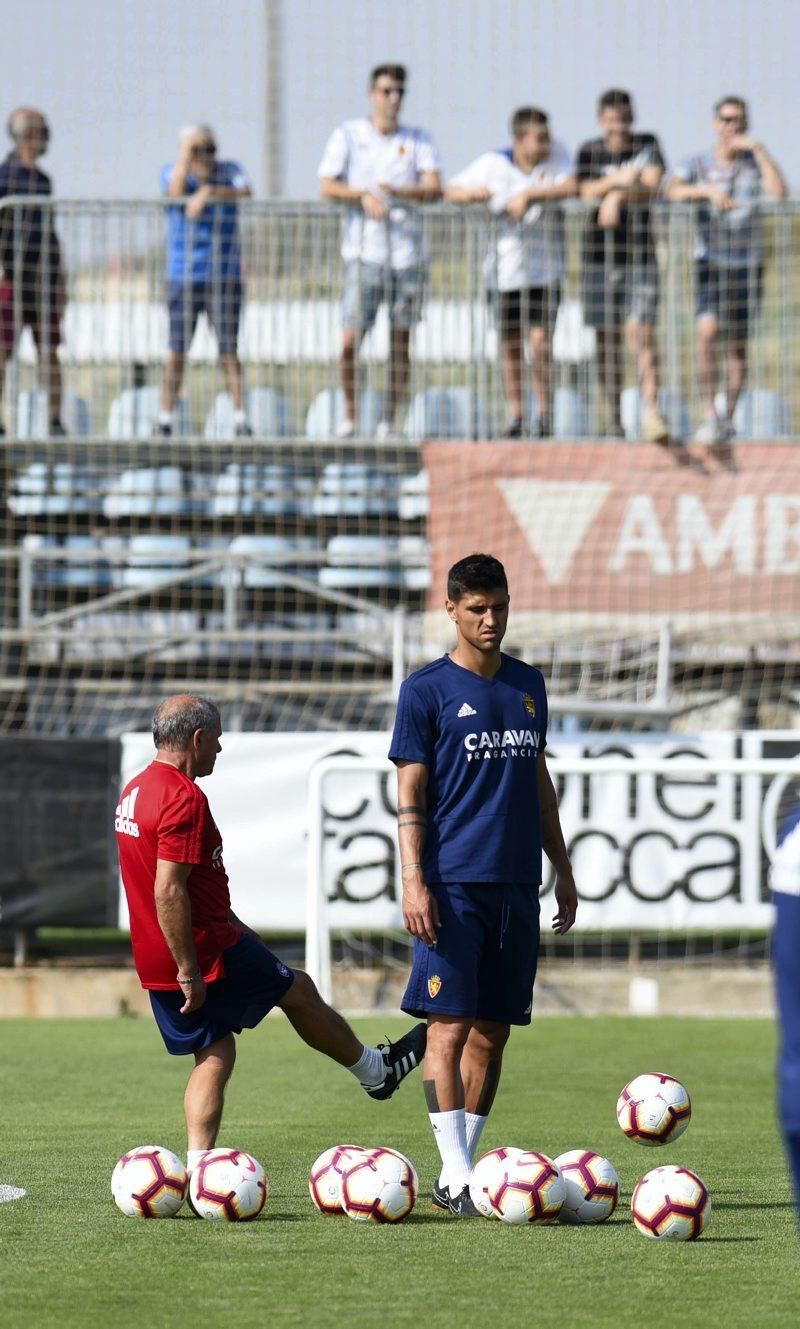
point(124, 822)
point(466, 709)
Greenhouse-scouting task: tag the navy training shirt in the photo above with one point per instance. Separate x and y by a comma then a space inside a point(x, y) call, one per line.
point(479, 738)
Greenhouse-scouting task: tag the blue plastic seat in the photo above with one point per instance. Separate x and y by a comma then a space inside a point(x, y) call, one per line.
point(266, 410)
point(134, 414)
point(267, 490)
point(670, 404)
point(32, 418)
point(447, 413)
point(761, 414)
point(265, 557)
point(152, 558)
point(361, 562)
point(353, 490)
point(326, 413)
point(150, 490)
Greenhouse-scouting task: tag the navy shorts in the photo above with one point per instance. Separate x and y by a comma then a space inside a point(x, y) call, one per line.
point(255, 981)
point(483, 965)
point(730, 295)
point(222, 302)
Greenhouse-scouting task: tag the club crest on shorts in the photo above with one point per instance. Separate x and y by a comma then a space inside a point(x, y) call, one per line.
point(529, 704)
point(434, 985)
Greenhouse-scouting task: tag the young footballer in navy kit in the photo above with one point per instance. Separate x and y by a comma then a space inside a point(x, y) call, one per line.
point(476, 807)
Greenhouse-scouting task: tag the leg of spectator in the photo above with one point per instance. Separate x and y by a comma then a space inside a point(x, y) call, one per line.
point(3, 358)
point(735, 373)
point(347, 370)
point(541, 361)
point(511, 366)
point(173, 377)
point(707, 370)
point(205, 1092)
point(399, 369)
point(640, 342)
point(232, 370)
point(609, 367)
point(52, 386)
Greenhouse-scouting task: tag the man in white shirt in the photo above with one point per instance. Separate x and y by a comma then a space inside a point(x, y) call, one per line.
point(727, 181)
point(524, 266)
point(378, 167)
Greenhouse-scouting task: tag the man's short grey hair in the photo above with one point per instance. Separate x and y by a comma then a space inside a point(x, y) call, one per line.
point(174, 725)
point(188, 131)
point(23, 121)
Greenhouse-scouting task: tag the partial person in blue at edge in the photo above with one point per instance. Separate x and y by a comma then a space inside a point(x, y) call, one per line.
point(204, 264)
point(785, 883)
point(476, 807)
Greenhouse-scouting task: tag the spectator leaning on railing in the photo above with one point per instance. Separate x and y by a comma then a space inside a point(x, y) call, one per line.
point(726, 180)
point(204, 268)
point(524, 266)
point(378, 166)
point(32, 290)
point(621, 172)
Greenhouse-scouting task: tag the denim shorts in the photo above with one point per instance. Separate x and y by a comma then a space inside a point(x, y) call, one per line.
point(222, 302)
point(730, 295)
point(613, 296)
point(255, 980)
point(483, 965)
point(368, 285)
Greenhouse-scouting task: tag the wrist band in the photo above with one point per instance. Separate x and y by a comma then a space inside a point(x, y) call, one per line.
point(194, 977)
point(407, 866)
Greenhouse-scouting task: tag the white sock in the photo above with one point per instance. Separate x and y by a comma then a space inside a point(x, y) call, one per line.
point(450, 1133)
point(474, 1127)
point(165, 417)
point(370, 1069)
point(239, 418)
point(193, 1157)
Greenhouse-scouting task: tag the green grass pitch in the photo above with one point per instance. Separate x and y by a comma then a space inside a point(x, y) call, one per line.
point(76, 1093)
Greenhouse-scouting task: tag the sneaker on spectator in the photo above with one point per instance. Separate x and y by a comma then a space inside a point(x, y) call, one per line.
point(162, 430)
point(55, 429)
point(242, 430)
point(715, 432)
point(346, 429)
point(543, 427)
point(654, 427)
point(514, 429)
point(386, 433)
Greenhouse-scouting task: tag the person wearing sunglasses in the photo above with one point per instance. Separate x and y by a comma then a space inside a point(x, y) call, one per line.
point(378, 167)
point(204, 267)
point(32, 289)
point(726, 181)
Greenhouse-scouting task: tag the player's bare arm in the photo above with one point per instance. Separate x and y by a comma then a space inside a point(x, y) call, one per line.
point(174, 911)
point(336, 191)
point(428, 189)
point(461, 194)
point(420, 910)
point(517, 206)
point(555, 847)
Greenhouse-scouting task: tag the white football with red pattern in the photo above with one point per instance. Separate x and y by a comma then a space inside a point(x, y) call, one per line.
point(592, 1187)
point(487, 1175)
point(671, 1204)
point(325, 1177)
point(380, 1187)
point(228, 1186)
point(149, 1182)
point(531, 1191)
point(654, 1109)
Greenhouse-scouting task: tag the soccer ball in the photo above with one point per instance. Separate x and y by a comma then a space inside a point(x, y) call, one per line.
point(380, 1187)
point(532, 1190)
point(489, 1171)
point(325, 1177)
point(149, 1182)
point(228, 1185)
point(592, 1187)
point(671, 1204)
point(654, 1109)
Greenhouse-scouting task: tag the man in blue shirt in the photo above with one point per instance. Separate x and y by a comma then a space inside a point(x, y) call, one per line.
point(204, 269)
point(785, 883)
point(476, 807)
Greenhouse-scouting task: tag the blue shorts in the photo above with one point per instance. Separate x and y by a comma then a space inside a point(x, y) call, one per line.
point(613, 296)
point(222, 302)
point(255, 981)
point(483, 965)
point(367, 285)
point(730, 295)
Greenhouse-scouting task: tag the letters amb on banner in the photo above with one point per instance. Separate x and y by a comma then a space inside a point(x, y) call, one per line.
point(649, 850)
point(601, 535)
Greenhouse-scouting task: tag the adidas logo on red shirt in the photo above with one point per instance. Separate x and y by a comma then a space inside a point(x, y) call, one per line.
point(124, 823)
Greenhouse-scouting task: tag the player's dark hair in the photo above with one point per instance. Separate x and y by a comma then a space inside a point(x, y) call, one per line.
point(397, 72)
point(476, 572)
point(616, 99)
point(732, 101)
point(526, 116)
point(174, 724)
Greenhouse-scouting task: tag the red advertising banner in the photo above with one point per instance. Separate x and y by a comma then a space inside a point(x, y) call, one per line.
point(614, 533)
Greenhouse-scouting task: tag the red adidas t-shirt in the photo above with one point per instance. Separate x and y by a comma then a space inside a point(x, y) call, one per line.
point(163, 814)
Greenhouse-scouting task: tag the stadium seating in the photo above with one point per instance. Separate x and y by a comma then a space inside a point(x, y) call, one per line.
point(326, 413)
point(266, 410)
point(151, 559)
point(447, 413)
point(360, 562)
point(265, 490)
point(761, 414)
point(134, 413)
point(354, 490)
point(147, 491)
point(32, 418)
point(62, 489)
point(264, 559)
point(671, 405)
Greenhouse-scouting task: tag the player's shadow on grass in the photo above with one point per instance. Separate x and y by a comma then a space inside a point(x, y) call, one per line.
point(752, 1204)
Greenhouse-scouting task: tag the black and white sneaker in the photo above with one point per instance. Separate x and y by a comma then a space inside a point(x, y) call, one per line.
point(461, 1205)
point(440, 1196)
point(401, 1058)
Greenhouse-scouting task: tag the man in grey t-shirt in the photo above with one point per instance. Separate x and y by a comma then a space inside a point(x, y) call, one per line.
point(727, 182)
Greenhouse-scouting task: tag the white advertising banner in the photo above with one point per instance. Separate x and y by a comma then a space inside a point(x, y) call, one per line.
point(650, 850)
